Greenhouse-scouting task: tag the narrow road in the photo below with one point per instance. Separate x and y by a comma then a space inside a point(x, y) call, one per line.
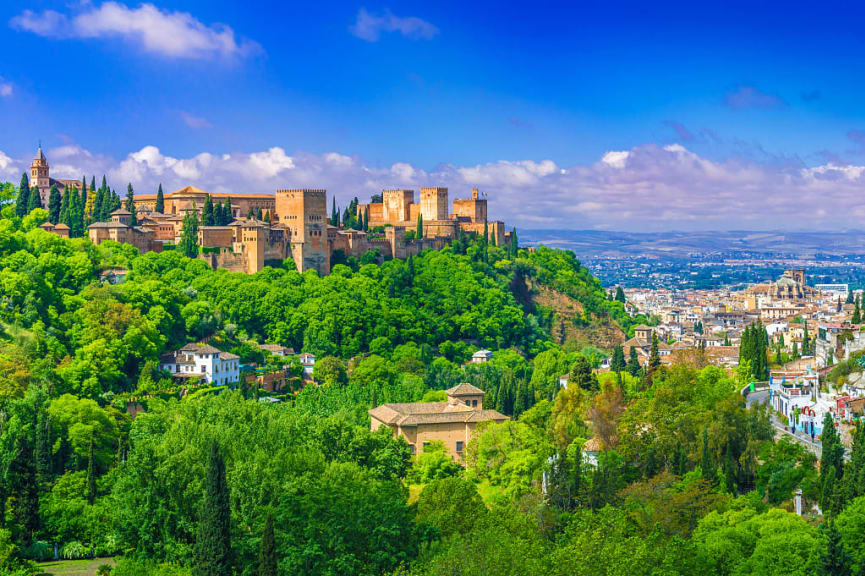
point(762, 397)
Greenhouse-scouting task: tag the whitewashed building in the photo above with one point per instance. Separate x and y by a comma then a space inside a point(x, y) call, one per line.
point(203, 361)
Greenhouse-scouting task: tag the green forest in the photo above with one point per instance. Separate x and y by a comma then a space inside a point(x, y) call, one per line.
point(637, 471)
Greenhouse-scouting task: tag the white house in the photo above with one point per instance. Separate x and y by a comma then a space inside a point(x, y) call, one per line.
point(308, 362)
point(214, 366)
point(482, 356)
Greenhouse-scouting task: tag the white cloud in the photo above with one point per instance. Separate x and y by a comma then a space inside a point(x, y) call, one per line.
point(194, 122)
point(648, 187)
point(370, 27)
point(5, 88)
point(167, 34)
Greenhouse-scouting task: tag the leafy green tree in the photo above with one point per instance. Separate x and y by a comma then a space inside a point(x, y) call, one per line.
point(581, 375)
point(212, 553)
point(452, 505)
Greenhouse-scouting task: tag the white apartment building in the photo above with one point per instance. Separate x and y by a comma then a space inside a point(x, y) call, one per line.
point(214, 366)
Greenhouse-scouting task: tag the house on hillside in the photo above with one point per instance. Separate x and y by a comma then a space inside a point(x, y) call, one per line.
point(451, 422)
point(203, 361)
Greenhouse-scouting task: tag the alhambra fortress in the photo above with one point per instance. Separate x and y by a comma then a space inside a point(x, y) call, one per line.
point(294, 223)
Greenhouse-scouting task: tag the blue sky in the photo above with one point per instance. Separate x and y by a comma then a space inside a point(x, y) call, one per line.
point(749, 100)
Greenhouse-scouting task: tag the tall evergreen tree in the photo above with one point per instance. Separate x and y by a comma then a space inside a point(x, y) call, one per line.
point(54, 201)
point(832, 455)
point(160, 200)
point(23, 196)
point(707, 469)
point(84, 194)
point(654, 354)
point(207, 212)
point(189, 235)
point(617, 363)
point(515, 247)
point(228, 217)
point(35, 200)
point(212, 552)
point(633, 362)
point(620, 295)
point(130, 205)
point(834, 560)
point(334, 213)
point(91, 474)
point(857, 315)
point(419, 232)
point(267, 558)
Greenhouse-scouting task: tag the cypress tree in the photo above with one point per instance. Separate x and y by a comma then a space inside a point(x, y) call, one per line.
point(833, 451)
point(620, 294)
point(654, 355)
point(23, 196)
point(130, 205)
point(334, 213)
point(63, 215)
point(419, 232)
point(633, 362)
point(228, 217)
point(212, 552)
point(84, 194)
point(617, 364)
point(834, 560)
point(35, 200)
point(189, 235)
point(75, 214)
point(267, 559)
point(857, 317)
point(207, 212)
point(160, 200)
point(43, 446)
point(91, 474)
point(708, 469)
point(806, 341)
point(54, 204)
point(515, 247)
point(92, 183)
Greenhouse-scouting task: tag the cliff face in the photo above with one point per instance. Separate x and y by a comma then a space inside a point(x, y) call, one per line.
point(571, 325)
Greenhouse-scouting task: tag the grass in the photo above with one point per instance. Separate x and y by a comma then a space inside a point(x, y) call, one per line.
point(72, 567)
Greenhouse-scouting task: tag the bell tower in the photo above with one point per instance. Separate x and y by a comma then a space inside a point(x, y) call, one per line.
point(39, 171)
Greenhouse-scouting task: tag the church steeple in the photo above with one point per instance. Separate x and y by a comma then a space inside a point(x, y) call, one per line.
point(39, 170)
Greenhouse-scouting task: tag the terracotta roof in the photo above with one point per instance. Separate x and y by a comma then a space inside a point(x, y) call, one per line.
point(121, 212)
point(413, 414)
point(61, 226)
point(464, 389)
point(229, 356)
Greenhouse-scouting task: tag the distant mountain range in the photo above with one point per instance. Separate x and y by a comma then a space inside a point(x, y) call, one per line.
point(675, 245)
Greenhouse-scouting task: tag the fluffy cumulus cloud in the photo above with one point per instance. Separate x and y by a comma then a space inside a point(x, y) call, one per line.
point(5, 88)
point(370, 26)
point(644, 188)
point(161, 32)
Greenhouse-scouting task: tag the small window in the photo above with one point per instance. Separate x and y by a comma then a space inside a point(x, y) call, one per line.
point(411, 448)
point(474, 403)
point(459, 447)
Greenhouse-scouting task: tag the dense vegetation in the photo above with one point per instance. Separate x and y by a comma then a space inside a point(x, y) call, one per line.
point(662, 471)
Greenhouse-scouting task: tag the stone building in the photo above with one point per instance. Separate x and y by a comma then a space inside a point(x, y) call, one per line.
point(120, 229)
point(304, 213)
point(398, 208)
point(192, 198)
point(246, 245)
point(452, 422)
point(40, 178)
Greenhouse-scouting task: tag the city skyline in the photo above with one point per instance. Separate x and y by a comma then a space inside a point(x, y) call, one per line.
point(614, 117)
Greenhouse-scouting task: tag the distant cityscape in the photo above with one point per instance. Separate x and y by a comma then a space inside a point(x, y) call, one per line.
point(710, 260)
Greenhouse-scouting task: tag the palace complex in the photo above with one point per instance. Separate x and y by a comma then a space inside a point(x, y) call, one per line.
point(291, 223)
